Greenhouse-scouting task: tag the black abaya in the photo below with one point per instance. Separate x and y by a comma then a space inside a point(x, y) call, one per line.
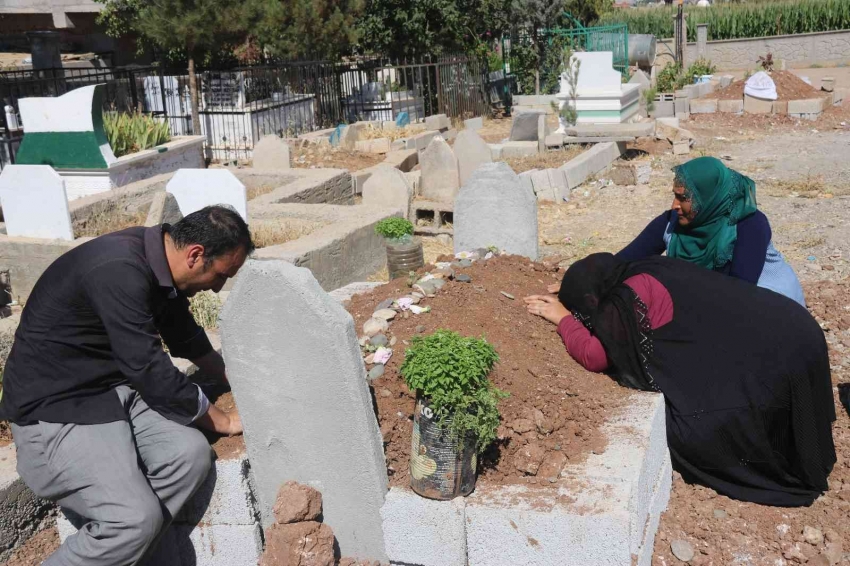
point(744, 372)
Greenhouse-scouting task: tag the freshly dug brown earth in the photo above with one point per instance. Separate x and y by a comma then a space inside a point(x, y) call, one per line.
point(723, 531)
point(226, 447)
point(555, 405)
point(788, 87)
point(36, 549)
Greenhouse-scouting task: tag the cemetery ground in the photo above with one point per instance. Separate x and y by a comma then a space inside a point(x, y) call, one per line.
point(556, 407)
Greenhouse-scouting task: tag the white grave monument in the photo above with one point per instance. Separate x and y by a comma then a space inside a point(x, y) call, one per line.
point(196, 188)
point(601, 97)
point(34, 202)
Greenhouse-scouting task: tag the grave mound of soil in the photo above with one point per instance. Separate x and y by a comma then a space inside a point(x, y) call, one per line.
point(788, 87)
point(226, 447)
point(554, 403)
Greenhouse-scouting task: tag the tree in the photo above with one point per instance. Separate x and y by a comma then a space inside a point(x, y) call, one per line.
point(191, 28)
point(297, 29)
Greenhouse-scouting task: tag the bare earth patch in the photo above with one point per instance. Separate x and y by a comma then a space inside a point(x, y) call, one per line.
point(315, 156)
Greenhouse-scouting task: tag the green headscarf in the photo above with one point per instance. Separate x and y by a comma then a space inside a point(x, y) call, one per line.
point(721, 198)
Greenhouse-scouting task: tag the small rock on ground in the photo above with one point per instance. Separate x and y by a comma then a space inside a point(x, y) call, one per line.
point(376, 371)
point(682, 550)
point(812, 535)
point(463, 278)
point(378, 340)
point(384, 314)
point(297, 502)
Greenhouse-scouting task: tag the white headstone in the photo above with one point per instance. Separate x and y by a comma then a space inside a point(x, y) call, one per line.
point(271, 152)
point(388, 187)
point(195, 189)
point(495, 208)
point(34, 202)
point(596, 74)
point(439, 171)
point(471, 152)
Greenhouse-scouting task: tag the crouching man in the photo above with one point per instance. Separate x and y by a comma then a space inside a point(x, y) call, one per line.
point(103, 422)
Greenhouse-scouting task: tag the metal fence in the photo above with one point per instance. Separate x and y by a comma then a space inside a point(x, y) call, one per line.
point(238, 106)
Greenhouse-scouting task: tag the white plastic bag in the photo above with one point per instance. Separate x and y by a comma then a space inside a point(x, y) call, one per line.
point(761, 86)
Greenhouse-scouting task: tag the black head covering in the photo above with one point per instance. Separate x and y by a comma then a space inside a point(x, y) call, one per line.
point(593, 290)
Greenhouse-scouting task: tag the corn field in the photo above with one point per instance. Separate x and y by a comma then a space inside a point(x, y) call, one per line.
point(736, 21)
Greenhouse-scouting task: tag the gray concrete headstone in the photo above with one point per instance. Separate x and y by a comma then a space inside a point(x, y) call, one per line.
point(388, 187)
point(164, 210)
point(641, 79)
point(439, 171)
point(300, 385)
point(524, 126)
point(495, 208)
point(471, 152)
point(34, 202)
point(196, 188)
point(271, 152)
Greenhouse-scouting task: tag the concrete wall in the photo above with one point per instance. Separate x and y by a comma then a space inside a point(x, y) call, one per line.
point(342, 252)
point(305, 186)
point(799, 51)
point(27, 258)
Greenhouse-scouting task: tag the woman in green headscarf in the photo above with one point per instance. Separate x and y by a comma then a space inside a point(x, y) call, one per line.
point(714, 222)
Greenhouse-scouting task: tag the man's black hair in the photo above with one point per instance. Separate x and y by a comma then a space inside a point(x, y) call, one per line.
point(218, 228)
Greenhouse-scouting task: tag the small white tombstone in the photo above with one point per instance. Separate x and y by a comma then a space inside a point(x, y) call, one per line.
point(388, 187)
point(271, 152)
point(34, 202)
point(472, 152)
point(195, 189)
point(440, 181)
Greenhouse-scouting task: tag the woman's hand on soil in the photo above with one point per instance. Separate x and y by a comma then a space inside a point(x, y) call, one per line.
point(553, 288)
point(546, 306)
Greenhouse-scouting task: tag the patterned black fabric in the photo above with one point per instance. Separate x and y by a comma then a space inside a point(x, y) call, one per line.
point(744, 372)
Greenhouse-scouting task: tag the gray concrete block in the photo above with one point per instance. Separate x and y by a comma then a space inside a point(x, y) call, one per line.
point(164, 209)
point(496, 150)
point(471, 152)
point(518, 149)
point(806, 106)
point(703, 106)
point(388, 187)
point(344, 294)
point(554, 141)
point(681, 147)
point(591, 162)
point(437, 122)
point(272, 153)
point(440, 178)
point(298, 377)
point(422, 531)
point(627, 174)
point(21, 512)
point(524, 127)
point(225, 498)
point(449, 134)
point(726, 80)
point(219, 545)
point(422, 140)
point(495, 209)
point(663, 109)
point(754, 105)
point(730, 106)
point(474, 124)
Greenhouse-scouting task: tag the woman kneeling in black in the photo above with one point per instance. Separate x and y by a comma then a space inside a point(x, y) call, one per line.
point(744, 371)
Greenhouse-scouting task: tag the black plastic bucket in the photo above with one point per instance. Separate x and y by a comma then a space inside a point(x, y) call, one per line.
point(439, 469)
point(404, 258)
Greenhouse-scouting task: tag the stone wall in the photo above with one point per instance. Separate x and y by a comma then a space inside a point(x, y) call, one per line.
point(798, 51)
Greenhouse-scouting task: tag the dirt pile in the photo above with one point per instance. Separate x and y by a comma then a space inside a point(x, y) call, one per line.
point(788, 87)
point(311, 156)
point(722, 531)
point(555, 408)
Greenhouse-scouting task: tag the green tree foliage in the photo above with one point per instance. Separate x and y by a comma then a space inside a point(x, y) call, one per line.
point(300, 29)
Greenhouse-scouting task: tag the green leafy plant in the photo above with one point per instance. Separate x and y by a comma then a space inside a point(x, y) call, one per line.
point(649, 98)
point(699, 68)
point(451, 371)
point(668, 78)
point(133, 132)
point(394, 228)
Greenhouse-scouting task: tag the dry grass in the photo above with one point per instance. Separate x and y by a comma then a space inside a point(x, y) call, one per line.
point(205, 307)
point(109, 219)
point(255, 192)
point(372, 133)
point(275, 232)
point(548, 160)
point(813, 186)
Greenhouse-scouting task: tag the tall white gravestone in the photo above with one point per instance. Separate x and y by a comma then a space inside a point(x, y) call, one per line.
point(439, 171)
point(471, 152)
point(195, 189)
point(601, 96)
point(300, 385)
point(388, 187)
point(34, 202)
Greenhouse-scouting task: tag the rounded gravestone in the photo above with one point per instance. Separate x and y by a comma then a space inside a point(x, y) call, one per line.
point(439, 171)
point(471, 152)
point(495, 209)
